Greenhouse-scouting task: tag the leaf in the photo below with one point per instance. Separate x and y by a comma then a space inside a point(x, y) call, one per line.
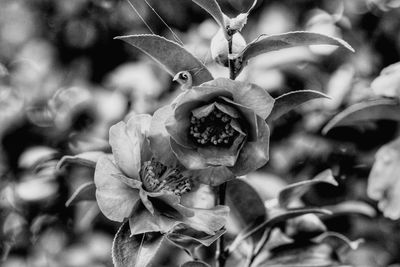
point(351, 207)
point(287, 102)
point(336, 240)
point(304, 254)
point(296, 190)
point(213, 8)
point(245, 204)
point(87, 191)
point(267, 43)
point(280, 216)
point(195, 264)
point(381, 109)
point(137, 250)
point(88, 159)
point(172, 56)
point(189, 239)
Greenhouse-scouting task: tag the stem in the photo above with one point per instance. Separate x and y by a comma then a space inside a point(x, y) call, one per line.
point(220, 255)
point(231, 62)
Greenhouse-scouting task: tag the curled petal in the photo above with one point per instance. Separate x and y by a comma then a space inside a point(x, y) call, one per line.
point(215, 175)
point(203, 196)
point(203, 111)
point(248, 115)
point(255, 154)
point(143, 221)
point(169, 203)
point(145, 200)
point(208, 220)
point(128, 143)
point(115, 199)
point(233, 113)
point(246, 94)
point(204, 94)
point(189, 158)
point(222, 156)
point(178, 125)
point(159, 137)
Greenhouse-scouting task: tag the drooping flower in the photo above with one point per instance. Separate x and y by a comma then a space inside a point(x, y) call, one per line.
point(143, 182)
point(384, 182)
point(219, 129)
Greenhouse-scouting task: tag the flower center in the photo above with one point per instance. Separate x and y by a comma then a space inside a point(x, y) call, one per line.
point(214, 129)
point(156, 177)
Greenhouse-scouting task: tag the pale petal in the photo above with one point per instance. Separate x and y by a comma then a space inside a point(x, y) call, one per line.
point(143, 221)
point(189, 158)
point(255, 154)
point(115, 199)
point(159, 137)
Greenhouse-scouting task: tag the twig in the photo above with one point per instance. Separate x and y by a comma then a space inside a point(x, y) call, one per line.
point(231, 62)
point(219, 255)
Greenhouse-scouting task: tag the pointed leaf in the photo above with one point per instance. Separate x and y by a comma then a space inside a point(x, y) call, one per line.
point(287, 102)
point(195, 264)
point(279, 217)
point(295, 191)
point(336, 240)
point(88, 159)
point(382, 109)
point(352, 207)
point(245, 204)
point(134, 251)
point(267, 43)
point(172, 56)
point(87, 191)
point(213, 8)
point(189, 239)
point(301, 255)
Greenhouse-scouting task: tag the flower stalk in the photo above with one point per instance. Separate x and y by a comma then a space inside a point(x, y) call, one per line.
point(220, 255)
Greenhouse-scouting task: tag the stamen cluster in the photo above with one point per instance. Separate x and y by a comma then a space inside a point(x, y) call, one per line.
point(157, 177)
point(214, 129)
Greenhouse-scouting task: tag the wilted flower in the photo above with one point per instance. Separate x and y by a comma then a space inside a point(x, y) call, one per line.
point(388, 82)
point(134, 183)
point(219, 129)
point(384, 182)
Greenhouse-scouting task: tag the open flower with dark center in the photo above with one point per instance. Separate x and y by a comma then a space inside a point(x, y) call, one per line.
point(143, 182)
point(219, 129)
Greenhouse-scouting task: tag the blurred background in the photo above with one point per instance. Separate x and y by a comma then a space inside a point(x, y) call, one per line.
point(64, 81)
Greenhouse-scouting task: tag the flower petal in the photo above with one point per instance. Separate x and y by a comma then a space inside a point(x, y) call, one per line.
point(202, 196)
point(203, 111)
point(145, 200)
point(248, 115)
point(169, 204)
point(142, 221)
point(217, 156)
point(178, 125)
point(128, 143)
point(159, 137)
point(247, 94)
point(215, 175)
point(255, 154)
point(203, 93)
point(115, 199)
point(208, 220)
point(189, 158)
point(233, 113)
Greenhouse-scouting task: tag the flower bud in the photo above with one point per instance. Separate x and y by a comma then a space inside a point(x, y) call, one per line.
point(219, 47)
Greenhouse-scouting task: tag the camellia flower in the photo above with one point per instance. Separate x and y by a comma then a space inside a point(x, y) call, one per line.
point(219, 129)
point(134, 183)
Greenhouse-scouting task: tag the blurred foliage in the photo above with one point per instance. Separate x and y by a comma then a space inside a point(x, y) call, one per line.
point(64, 81)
